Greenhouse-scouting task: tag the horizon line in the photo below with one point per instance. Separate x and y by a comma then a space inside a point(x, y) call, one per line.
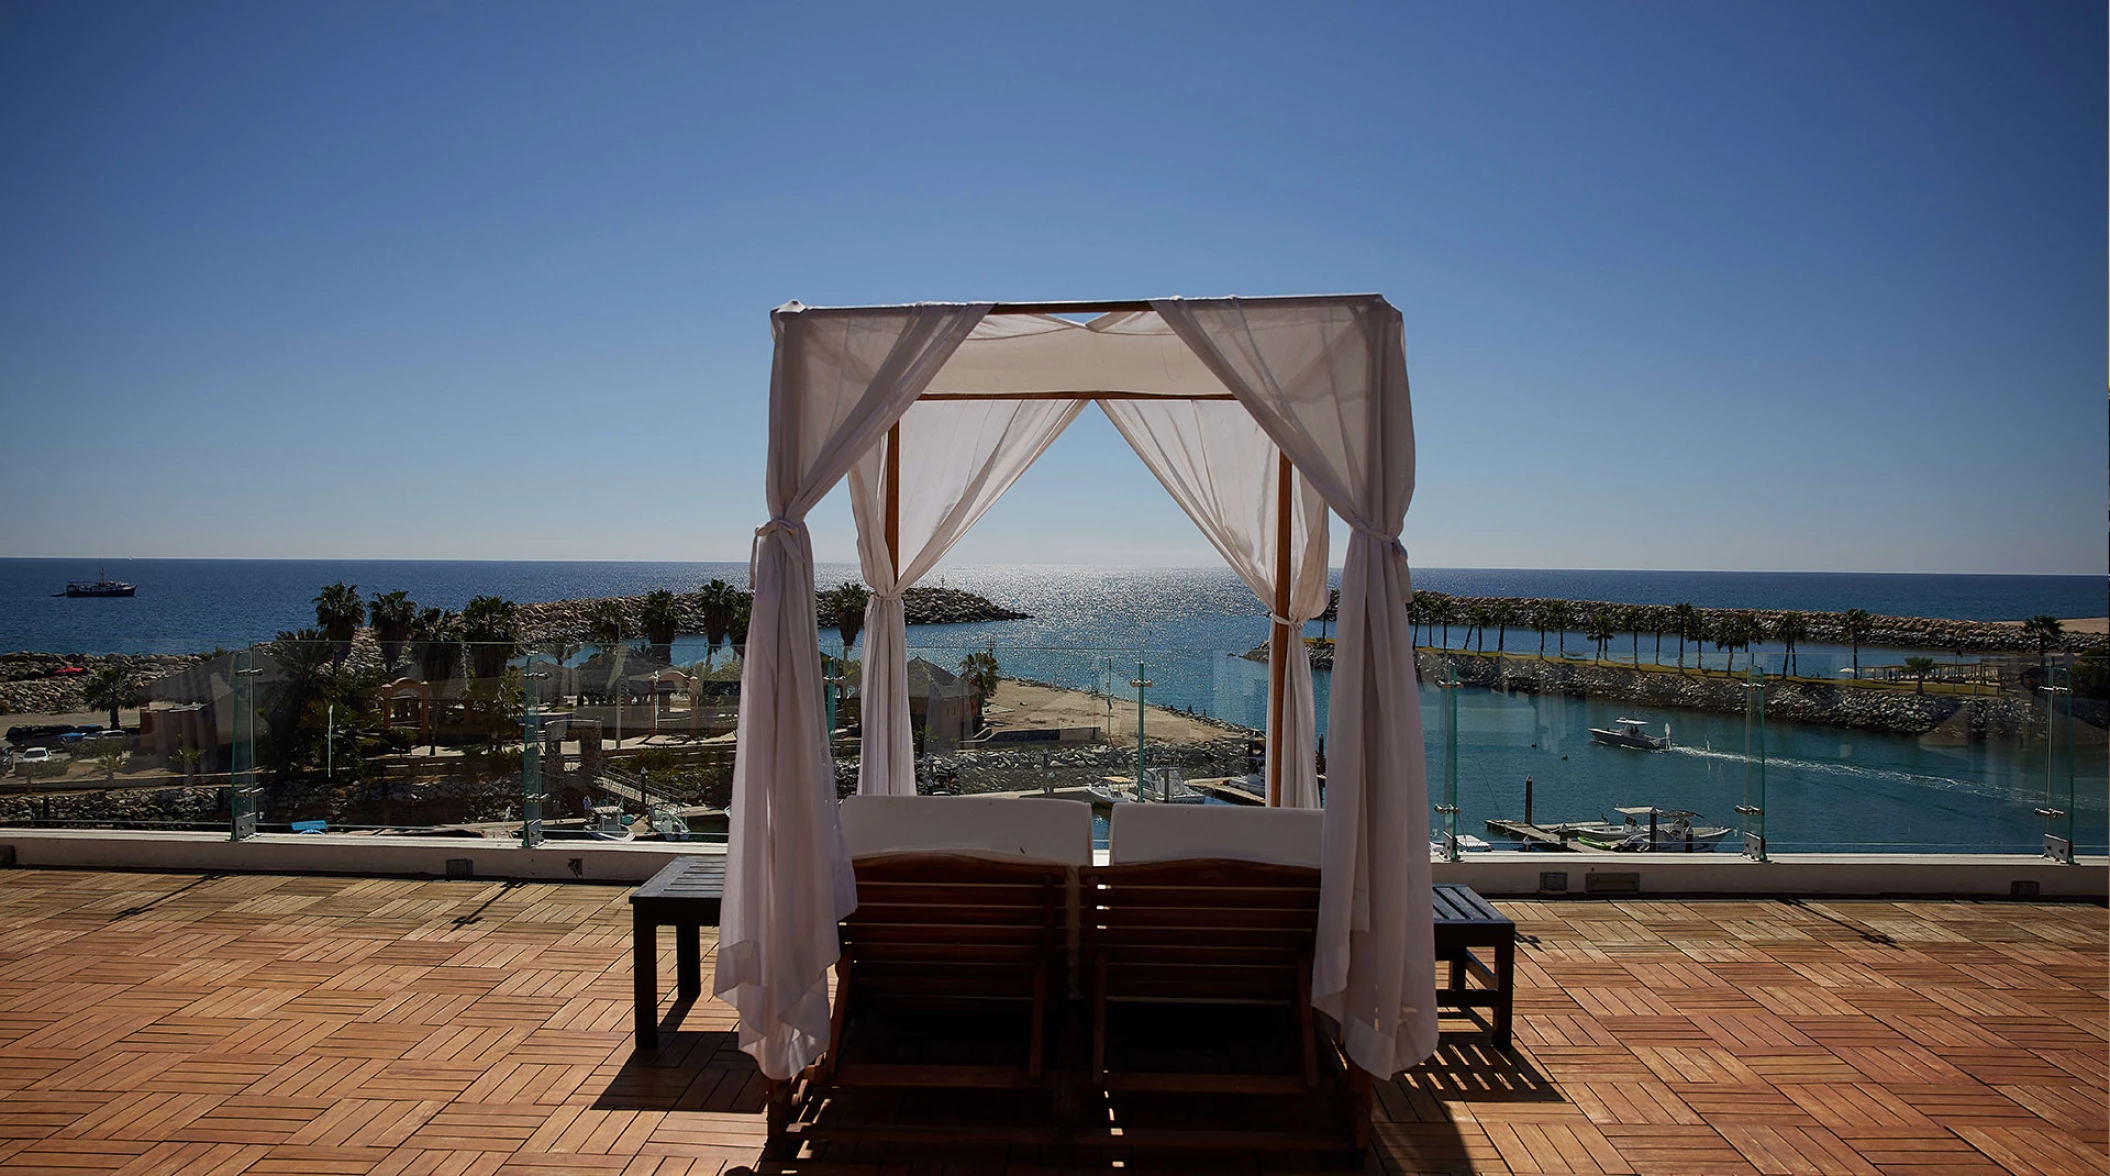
point(1041, 564)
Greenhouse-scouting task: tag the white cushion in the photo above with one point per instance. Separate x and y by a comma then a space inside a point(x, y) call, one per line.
point(997, 827)
point(1248, 833)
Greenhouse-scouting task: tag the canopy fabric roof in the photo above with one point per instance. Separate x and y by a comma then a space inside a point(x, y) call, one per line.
point(1119, 352)
point(1322, 382)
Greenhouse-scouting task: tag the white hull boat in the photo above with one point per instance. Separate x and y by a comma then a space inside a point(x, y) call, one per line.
point(1631, 733)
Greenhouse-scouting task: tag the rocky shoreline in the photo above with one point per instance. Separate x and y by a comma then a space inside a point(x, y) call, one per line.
point(1939, 718)
point(1887, 632)
point(32, 684)
point(568, 620)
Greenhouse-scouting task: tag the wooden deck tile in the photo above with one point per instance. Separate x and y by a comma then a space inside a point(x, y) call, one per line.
point(177, 1025)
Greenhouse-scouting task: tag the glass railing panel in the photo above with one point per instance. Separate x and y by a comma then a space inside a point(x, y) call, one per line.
point(430, 736)
point(134, 743)
point(1551, 748)
point(633, 741)
point(338, 738)
point(1085, 724)
point(1850, 748)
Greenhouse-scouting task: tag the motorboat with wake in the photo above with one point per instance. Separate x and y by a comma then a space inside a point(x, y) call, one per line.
point(1630, 733)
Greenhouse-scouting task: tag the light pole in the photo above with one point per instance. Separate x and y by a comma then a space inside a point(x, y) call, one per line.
point(1141, 684)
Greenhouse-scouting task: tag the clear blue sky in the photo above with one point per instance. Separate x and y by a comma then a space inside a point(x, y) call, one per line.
point(1785, 286)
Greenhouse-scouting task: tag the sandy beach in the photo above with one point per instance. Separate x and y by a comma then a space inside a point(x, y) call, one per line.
point(1018, 705)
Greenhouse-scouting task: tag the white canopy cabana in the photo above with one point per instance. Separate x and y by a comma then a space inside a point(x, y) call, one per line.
point(1257, 414)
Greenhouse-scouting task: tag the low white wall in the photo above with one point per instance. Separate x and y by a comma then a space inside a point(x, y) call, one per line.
point(1493, 874)
point(1838, 875)
point(291, 853)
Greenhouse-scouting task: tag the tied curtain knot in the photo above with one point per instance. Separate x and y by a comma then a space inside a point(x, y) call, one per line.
point(772, 527)
point(1397, 549)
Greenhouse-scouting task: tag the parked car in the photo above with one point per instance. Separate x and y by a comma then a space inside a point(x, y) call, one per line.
point(35, 755)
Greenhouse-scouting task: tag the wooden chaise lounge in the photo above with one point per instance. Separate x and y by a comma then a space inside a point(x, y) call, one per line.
point(1198, 940)
point(955, 965)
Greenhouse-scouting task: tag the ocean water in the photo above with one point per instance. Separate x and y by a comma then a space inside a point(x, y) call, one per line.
point(186, 605)
point(1182, 629)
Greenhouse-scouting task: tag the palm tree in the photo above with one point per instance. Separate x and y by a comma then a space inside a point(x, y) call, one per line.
point(1476, 623)
point(604, 624)
point(2048, 632)
point(436, 643)
point(1556, 615)
point(981, 669)
point(1919, 667)
point(303, 658)
point(1436, 609)
point(1598, 628)
point(491, 628)
point(716, 600)
point(1788, 628)
point(736, 627)
point(1505, 615)
point(1857, 626)
point(338, 613)
point(1686, 623)
point(1732, 633)
point(660, 617)
point(1633, 619)
point(849, 600)
point(1699, 630)
point(393, 613)
point(109, 689)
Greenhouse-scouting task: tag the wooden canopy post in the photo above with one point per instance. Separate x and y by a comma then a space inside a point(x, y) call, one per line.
point(893, 498)
point(1278, 633)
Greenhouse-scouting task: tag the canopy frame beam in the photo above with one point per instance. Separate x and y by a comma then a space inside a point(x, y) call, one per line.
point(1106, 394)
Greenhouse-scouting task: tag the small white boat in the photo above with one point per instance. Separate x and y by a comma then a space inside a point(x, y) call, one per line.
point(1165, 787)
point(1108, 793)
point(605, 823)
point(669, 825)
point(1630, 733)
point(1667, 831)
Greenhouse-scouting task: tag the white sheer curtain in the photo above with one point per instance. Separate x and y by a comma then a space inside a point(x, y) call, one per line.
point(957, 458)
point(1223, 470)
point(840, 378)
point(1328, 381)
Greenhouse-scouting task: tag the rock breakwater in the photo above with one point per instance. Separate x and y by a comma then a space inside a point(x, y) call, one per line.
point(1885, 632)
point(34, 684)
point(1938, 717)
point(569, 620)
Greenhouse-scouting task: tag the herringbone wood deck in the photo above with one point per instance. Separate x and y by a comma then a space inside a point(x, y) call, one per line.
point(296, 1026)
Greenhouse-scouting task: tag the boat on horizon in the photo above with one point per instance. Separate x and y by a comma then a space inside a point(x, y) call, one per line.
point(1630, 733)
point(77, 589)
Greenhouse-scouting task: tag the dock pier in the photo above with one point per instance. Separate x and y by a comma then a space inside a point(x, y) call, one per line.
point(1553, 838)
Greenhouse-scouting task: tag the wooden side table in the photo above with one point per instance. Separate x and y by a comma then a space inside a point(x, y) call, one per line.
point(686, 895)
point(1465, 921)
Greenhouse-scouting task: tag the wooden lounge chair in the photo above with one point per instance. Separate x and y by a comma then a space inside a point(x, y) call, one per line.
point(955, 964)
point(1199, 937)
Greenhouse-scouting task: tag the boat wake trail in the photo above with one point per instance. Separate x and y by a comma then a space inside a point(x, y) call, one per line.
point(1849, 771)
